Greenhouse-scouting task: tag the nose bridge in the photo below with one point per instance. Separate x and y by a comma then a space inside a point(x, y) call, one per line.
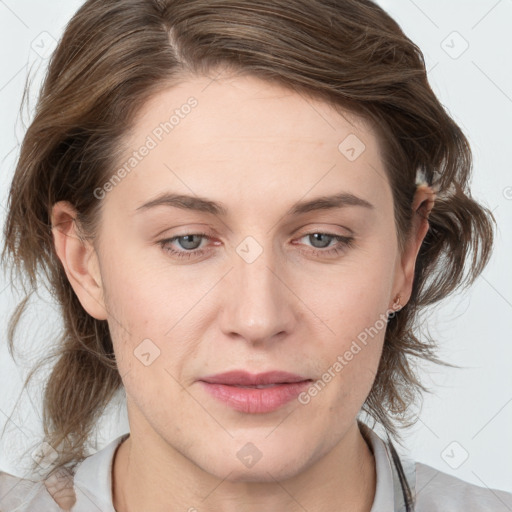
point(257, 303)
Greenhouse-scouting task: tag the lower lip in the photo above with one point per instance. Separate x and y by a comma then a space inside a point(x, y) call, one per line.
point(254, 400)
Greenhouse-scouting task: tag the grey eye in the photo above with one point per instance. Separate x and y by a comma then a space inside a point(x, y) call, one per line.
point(318, 237)
point(189, 242)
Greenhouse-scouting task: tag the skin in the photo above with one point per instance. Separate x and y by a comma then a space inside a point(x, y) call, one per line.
point(257, 148)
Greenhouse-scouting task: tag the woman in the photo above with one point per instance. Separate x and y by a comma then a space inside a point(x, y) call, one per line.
point(241, 207)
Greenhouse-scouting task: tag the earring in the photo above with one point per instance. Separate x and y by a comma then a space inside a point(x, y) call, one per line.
point(396, 303)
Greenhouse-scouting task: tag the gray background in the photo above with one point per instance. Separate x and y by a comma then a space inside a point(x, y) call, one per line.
point(464, 426)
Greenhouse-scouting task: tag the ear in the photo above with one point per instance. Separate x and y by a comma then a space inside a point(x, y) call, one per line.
point(422, 205)
point(79, 259)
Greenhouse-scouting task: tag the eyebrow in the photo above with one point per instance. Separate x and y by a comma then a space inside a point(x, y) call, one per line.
point(201, 204)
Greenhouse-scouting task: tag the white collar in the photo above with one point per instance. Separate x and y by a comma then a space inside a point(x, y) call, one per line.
point(389, 495)
point(93, 477)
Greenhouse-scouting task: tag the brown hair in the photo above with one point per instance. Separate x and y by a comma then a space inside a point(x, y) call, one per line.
point(114, 55)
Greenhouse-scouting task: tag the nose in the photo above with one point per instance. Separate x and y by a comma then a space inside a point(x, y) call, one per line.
point(258, 304)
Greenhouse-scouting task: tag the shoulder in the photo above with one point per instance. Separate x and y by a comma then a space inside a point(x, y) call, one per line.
point(439, 491)
point(88, 481)
point(25, 495)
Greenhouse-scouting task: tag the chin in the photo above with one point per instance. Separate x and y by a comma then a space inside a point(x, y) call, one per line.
point(248, 465)
point(265, 473)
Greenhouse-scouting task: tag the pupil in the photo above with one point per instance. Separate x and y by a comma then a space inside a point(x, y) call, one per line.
point(319, 236)
point(188, 240)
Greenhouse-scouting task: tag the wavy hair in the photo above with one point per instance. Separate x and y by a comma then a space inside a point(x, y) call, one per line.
point(116, 54)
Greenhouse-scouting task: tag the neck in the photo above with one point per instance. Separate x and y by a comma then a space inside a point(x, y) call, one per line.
point(148, 477)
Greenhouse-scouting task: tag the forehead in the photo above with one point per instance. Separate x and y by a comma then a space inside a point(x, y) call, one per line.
point(249, 139)
point(246, 107)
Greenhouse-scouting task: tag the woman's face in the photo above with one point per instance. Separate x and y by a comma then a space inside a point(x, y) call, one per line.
point(269, 287)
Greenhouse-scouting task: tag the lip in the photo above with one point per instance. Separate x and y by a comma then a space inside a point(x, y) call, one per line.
point(225, 387)
point(244, 378)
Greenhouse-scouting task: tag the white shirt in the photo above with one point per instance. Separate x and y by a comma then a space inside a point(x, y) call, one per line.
point(432, 490)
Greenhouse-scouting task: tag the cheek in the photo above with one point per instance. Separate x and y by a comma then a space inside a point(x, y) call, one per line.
point(145, 298)
point(349, 370)
point(350, 301)
point(151, 367)
point(150, 315)
point(352, 306)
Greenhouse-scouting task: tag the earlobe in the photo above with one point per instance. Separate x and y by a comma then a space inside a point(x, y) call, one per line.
point(79, 259)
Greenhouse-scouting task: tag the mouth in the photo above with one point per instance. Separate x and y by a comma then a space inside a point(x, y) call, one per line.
point(260, 386)
point(239, 391)
point(242, 378)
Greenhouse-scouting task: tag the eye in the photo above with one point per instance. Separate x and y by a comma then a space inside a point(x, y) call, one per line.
point(189, 244)
point(323, 241)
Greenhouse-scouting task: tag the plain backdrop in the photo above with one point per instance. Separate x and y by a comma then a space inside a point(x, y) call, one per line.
point(465, 425)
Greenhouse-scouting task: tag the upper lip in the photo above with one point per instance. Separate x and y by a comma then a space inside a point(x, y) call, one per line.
point(244, 378)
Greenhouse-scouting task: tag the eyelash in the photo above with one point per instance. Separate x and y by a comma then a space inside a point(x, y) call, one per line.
point(344, 242)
